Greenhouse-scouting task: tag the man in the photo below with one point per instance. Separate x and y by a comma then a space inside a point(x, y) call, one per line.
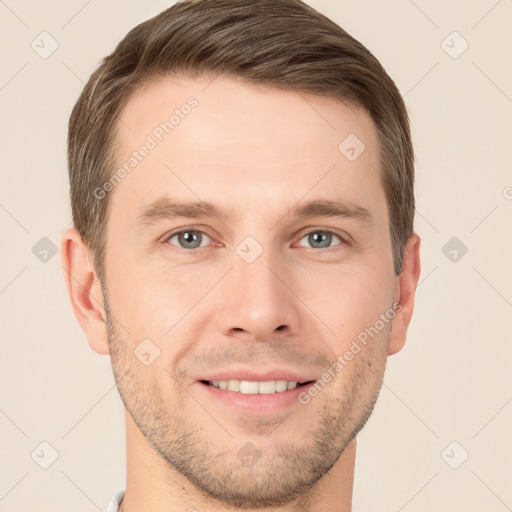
point(242, 193)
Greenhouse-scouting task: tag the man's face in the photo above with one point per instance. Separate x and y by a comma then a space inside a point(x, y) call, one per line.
point(258, 290)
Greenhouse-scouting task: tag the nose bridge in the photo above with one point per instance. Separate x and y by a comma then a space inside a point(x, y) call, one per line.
point(256, 295)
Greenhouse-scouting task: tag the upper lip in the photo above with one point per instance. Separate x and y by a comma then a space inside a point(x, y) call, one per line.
point(259, 376)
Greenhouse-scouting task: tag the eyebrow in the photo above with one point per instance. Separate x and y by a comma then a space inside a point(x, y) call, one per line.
point(165, 208)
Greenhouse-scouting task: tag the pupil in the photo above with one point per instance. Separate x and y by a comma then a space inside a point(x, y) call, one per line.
point(189, 237)
point(324, 238)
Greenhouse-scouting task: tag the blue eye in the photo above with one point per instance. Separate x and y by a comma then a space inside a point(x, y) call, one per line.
point(189, 238)
point(195, 239)
point(324, 240)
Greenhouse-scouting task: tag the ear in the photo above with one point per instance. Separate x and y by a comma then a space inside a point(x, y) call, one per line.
point(84, 290)
point(405, 290)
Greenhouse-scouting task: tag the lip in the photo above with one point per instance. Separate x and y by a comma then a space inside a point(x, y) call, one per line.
point(254, 404)
point(259, 376)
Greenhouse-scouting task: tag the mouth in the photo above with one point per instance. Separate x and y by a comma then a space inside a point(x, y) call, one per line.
point(254, 397)
point(247, 387)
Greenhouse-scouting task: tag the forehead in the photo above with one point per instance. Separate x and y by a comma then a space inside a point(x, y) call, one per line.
point(220, 140)
point(230, 112)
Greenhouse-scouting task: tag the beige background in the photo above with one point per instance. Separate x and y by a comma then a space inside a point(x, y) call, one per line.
point(452, 381)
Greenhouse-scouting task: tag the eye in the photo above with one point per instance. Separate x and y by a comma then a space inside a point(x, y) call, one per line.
point(321, 239)
point(188, 238)
point(196, 238)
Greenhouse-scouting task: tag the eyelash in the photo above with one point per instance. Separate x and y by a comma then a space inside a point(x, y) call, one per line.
point(317, 230)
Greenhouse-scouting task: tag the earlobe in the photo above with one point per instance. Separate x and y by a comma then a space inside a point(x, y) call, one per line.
point(84, 290)
point(406, 285)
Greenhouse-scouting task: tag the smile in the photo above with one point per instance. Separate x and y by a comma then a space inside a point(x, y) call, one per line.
point(255, 387)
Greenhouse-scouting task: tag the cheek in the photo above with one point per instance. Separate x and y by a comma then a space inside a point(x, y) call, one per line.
point(158, 303)
point(350, 299)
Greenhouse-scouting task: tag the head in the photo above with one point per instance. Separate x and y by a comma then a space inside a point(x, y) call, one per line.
point(299, 142)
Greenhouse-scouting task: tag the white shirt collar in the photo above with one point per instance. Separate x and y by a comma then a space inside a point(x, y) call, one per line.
point(113, 506)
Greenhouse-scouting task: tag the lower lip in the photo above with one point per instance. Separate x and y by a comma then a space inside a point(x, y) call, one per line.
point(257, 403)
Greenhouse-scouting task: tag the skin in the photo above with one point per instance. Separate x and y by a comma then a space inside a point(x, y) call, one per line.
point(256, 152)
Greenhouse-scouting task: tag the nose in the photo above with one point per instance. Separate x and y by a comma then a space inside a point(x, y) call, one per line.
point(257, 299)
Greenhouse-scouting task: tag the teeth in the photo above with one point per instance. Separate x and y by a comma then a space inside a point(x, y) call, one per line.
point(253, 388)
point(233, 385)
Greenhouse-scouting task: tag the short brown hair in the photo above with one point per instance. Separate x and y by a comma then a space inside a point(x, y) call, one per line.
point(280, 43)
